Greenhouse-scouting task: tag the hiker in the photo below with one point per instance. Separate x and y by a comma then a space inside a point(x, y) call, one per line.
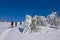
point(15, 24)
point(20, 23)
point(12, 23)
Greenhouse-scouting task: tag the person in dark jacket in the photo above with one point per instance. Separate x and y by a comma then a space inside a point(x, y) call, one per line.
point(20, 23)
point(15, 24)
point(12, 23)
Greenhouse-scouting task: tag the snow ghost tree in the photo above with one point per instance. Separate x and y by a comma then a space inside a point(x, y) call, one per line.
point(33, 26)
point(39, 22)
point(36, 23)
point(52, 18)
point(28, 19)
point(44, 20)
point(27, 22)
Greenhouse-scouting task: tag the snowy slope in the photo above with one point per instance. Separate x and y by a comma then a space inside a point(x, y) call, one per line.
point(4, 26)
point(14, 34)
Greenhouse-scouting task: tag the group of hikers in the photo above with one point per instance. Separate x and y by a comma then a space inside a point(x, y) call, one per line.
point(12, 24)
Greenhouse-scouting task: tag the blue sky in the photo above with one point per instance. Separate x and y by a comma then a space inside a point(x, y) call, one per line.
point(16, 10)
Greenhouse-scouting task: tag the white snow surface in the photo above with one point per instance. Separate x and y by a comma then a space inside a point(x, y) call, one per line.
point(46, 34)
point(4, 26)
point(14, 34)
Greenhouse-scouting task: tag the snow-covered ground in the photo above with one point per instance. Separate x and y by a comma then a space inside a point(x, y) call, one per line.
point(4, 26)
point(14, 34)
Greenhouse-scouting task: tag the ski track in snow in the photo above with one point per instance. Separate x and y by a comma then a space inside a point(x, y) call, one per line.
point(4, 34)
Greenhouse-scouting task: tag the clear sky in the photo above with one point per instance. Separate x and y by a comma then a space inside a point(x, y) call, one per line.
point(16, 10)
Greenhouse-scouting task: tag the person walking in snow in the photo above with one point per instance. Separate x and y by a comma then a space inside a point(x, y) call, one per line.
point(20, 23)
point(12, 23)
point(15, 24)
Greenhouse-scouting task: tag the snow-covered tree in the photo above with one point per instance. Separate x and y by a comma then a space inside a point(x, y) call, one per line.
point(34, 24)
point(53, 18)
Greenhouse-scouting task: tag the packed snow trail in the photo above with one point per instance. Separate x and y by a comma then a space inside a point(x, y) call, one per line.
point(4, 26)
point(4, 34)
point(2, 30)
